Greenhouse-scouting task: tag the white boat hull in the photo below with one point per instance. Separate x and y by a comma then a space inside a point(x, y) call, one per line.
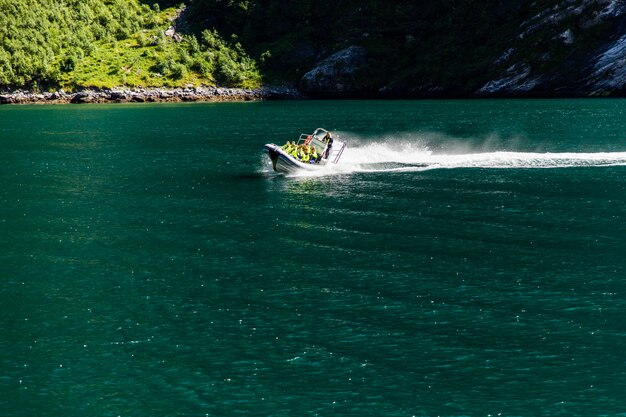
point(283, 162)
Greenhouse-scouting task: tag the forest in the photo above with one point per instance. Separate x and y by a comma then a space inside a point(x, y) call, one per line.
point(46, 44)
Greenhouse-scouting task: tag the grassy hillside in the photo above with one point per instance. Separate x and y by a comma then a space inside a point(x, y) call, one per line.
point(105, 43)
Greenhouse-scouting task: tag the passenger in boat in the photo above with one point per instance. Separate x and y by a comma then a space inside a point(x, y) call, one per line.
point(314, 156)
point(306, 157)
point(330, 145)
point(299, 152)
point(329, 140)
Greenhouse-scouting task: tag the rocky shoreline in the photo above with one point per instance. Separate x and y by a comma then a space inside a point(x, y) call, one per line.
point(148, 95)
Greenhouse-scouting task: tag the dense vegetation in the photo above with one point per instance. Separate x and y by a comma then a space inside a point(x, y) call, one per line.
point(106, 43)
point(449, 43)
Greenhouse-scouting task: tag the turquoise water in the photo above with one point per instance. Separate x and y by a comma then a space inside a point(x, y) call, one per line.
point(465, 258)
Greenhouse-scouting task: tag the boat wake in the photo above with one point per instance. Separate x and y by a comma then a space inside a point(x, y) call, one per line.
point(362, 158)
point(411, 156)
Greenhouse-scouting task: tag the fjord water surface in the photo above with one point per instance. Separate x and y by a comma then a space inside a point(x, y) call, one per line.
point(466, 258)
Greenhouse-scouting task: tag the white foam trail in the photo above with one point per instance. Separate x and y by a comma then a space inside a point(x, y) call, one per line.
point(380, 158)
point(380, 154)
point(533, 160)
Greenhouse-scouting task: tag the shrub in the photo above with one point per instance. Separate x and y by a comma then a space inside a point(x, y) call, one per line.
point(69, 63)
point(178, 71)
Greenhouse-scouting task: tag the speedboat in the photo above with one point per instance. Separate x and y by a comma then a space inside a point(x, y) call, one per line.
point(328, 149)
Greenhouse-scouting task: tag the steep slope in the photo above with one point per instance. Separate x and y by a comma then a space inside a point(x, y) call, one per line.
point(503, 48)
point(97, 43)
point(574, 47)
point(434, 48)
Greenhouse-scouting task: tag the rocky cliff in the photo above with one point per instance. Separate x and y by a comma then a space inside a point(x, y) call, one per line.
point(565, 48)
point(576, 47)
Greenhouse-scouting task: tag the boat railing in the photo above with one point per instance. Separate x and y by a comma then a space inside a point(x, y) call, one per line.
point(336, 154)
point(304, 139)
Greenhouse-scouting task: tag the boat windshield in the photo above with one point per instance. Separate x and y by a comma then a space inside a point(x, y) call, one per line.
point(319, 134)
point(318, 144)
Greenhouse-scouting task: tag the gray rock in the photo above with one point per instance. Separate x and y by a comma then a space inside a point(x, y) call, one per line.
point(600, 70)
point(335, 74)
point(84, 97)
point(138, 98)
point(120, 94)
point(609, 69)
point(117, 95)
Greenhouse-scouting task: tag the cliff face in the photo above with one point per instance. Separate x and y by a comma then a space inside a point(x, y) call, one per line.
point(558, 48)
point(574, 47)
